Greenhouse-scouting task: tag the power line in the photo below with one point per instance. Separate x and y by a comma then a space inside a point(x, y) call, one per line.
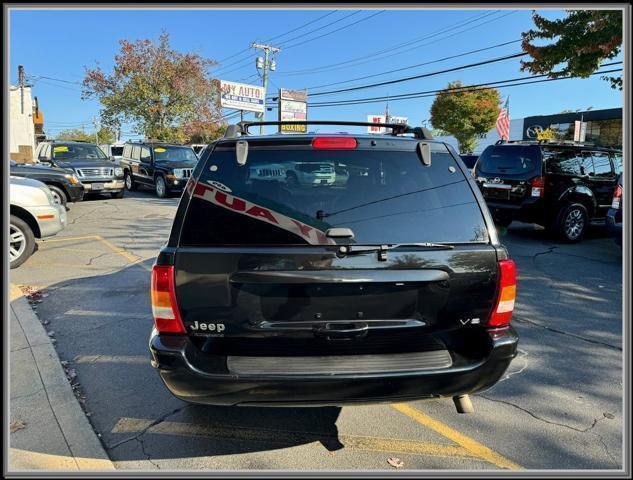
point(278, 36)
point(302, 26)
point(388, 49)
point(320, 28)
point(244, 61)
point(467, 88)
point(334, 31)
point(416, 65)
point(424, 75)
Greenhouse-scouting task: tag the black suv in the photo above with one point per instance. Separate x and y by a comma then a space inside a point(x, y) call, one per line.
point(97, 172)
point(64, 186)
point(560, 186)
point(161, 166)
point(387, 285)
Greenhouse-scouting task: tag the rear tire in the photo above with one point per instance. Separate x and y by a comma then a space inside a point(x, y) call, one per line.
point(58, 195)
point(571, 223)
point(21, 241)
point(130, 184)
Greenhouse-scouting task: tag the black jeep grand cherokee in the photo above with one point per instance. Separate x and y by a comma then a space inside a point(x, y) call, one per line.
point(388, 285)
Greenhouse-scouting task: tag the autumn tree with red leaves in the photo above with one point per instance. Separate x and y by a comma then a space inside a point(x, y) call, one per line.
point(583, 40)
point(165, 94)
point(465, 112)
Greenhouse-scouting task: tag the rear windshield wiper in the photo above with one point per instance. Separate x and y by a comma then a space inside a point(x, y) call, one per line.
point(382, 250)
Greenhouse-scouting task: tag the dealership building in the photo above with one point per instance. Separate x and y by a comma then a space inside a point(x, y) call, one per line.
point(602, 127)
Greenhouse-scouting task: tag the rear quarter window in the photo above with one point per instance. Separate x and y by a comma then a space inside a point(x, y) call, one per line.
point(293, 196)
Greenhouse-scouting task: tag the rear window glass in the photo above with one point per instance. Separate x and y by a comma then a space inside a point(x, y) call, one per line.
point(509, 159)
point(116, 151)
point(292, 197)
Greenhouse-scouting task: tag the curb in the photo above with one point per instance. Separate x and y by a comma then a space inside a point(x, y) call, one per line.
point(86, 449)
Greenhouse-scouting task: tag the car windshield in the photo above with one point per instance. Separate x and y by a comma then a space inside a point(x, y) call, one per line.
point(511, 159)
point(174, 154)
point(73, 151)
point(288, 196)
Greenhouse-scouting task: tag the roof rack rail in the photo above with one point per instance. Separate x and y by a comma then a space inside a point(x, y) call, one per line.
point(241, 128)
point(550, 141)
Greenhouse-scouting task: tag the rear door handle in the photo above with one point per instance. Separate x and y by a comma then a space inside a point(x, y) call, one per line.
point(342, 331)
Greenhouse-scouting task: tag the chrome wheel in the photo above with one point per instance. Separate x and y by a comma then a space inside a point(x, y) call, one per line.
point(17, 243)
point(128, 181)
point(574, 223)
point(160, 187)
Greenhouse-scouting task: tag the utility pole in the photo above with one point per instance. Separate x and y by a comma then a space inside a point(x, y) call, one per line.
point(267, 50)
point(94, 124)
point(21, 84)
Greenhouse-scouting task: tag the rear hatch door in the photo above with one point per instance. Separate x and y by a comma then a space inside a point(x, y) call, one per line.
point(257, 272)
point(504, 172)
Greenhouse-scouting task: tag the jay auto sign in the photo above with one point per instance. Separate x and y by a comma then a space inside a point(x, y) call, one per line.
point(241, 96)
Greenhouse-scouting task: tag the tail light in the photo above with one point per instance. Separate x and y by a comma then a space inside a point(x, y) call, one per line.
point(164, 307)
point(334, 143)
point(538, 186)
point(617, 198)
point(502, 312)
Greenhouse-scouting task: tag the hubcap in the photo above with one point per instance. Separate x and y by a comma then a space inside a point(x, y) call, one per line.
point(574, 224)
point(160, 186)
point(56, 198)
point(17, 244)
point(128, 182)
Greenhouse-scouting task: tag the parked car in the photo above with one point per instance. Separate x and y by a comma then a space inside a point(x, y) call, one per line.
point(614, 215)
point(560, 186)
point(97, 172)
point(393, 287)
point(64, 186)
point(33, 214)
point(161, 166)
point(310, 173)
point(113, 150)
point(469, 160)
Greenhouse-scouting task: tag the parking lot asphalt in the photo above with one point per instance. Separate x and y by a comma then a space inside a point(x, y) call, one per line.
point(558, 407)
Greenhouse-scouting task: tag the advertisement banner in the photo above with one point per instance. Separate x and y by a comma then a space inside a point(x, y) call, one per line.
point(293, 106)
point(376, 119)
point(241, 96)
point(398, 120)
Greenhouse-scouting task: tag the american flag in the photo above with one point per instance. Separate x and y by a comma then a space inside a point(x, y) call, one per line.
point(503, 121)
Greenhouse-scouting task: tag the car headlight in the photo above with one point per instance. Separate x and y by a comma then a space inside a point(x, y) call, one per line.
point(72, 178)
point(118, 171)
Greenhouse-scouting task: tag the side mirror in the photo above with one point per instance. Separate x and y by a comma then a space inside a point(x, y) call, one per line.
point(241, 152)
point(424, 152)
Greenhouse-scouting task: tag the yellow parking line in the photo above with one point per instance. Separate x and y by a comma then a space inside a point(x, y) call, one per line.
point(292, 438)
point(472, 446)
point(121, 251)
point(68, 239)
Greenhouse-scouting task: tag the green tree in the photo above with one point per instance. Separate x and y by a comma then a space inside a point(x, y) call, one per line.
point(156, 89)
point(583, 40)
point(105, 135)
point(76, 135)
point(466, 113)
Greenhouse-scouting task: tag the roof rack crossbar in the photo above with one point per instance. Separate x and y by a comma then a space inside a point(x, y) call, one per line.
point(241, 128)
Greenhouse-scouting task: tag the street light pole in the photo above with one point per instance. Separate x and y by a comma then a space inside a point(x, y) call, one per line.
point(267, 49)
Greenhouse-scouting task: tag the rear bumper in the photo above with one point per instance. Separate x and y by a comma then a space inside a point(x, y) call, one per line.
point(613, 226)
point(195, 379)
point(530, 211)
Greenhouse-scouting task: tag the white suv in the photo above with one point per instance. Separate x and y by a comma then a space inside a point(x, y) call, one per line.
point(34, 214)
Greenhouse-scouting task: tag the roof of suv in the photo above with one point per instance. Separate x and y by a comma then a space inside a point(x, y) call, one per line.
point(554, 144)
